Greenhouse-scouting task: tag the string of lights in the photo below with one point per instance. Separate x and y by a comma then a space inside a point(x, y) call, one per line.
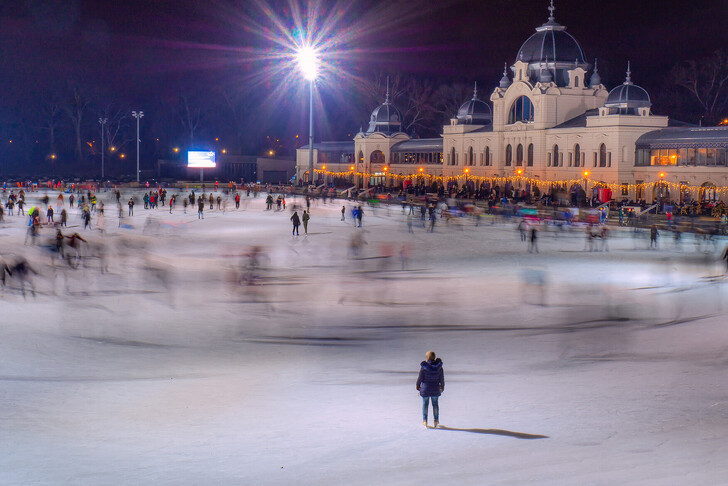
point(521, 179)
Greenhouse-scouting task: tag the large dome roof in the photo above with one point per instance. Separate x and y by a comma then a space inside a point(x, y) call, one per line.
point(475, 111)
point(554, 49)
point(551, 45)
point(628, 95)
point(386, 118)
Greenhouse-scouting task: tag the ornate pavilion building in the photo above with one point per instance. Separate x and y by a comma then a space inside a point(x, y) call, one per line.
point(550, 124)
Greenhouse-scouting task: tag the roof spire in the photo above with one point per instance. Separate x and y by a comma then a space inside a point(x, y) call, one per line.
point(595, 79)
point(386, 100)
point(628, 79)
point(475, 91)
point(551, 11)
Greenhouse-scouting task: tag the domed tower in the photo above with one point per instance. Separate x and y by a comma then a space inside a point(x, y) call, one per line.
point(627, 98)
point(551, 49)
point(475, 111)
point(386, 118)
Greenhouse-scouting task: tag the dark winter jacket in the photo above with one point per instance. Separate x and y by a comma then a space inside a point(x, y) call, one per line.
point(431, 382)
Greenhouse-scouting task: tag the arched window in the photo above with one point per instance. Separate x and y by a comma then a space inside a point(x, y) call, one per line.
point(361, 157)
point(471, 157)
point(509, 154)
point(708, 193)
point(452, 156)
point(377, 157)
point(521, 111)
point(556, 156)
point(577, 155)
point(487, 155)
point(576, 81)
point(530, 155)
point(602, 155)
point(519, 155)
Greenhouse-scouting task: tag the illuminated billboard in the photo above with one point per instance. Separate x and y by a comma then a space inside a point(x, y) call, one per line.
point(200, 160)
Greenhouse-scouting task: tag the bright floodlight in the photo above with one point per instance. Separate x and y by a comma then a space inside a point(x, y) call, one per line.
point(308, 62)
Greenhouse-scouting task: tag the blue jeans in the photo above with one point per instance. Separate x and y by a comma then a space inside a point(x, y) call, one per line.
point(435, 408)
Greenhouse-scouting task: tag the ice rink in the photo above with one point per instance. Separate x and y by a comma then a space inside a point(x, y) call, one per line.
point(166, 358)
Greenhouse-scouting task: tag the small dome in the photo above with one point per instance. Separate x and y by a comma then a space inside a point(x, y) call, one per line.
point(475, 111)
point(386, 118)
point(505, 80)
point(545, 75)
point(595, 79)
point(628, 96)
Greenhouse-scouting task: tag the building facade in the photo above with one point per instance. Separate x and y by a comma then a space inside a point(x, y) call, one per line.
point(550, 124)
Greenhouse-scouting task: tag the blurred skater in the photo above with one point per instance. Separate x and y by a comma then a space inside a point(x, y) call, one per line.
point(296, 223)
point(305, 219)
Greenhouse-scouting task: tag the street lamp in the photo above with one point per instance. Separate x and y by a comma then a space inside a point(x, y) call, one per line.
point(138, 115)
point(103, 122)
point(308, 63)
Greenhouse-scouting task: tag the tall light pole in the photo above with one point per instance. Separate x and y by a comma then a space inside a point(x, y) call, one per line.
point(103, 122)
point(308, 63)
point(138, 115)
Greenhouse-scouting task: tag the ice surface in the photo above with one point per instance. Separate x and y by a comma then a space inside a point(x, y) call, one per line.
point(564, 367)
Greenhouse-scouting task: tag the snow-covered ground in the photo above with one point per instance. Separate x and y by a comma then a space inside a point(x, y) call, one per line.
point(565, 367)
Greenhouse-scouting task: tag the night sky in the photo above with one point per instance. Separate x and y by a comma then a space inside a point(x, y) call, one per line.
point(144, 51)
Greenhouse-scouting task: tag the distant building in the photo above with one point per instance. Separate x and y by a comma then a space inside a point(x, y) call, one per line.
point(246, 168)
point(551, 124)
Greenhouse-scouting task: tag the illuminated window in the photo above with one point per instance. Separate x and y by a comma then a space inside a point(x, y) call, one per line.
point(519, 155)
point(509, 154)
point(377, 157)
point(521, 111)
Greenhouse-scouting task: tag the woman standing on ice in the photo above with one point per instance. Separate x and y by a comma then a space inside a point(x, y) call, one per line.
point(431, 384)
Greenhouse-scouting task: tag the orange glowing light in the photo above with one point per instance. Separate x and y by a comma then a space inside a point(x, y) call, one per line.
point(112, 148)
point(351, 168)
point(323, 167)
point(386, 169)
point(519, 171)
point(662, 174)
point(176, 149)
point(586, 173)
point(421, 169)
point(466, 170)
point(122, 156)
point(271, 153)
point(224, 151)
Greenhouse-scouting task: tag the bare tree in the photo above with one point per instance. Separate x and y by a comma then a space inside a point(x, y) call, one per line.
point(50, 113)
point(118, 130)
point(420, 111)
point(449, 98)
point(237, 105)
point(75, 107)
point(707, 81)
point(190, 116)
